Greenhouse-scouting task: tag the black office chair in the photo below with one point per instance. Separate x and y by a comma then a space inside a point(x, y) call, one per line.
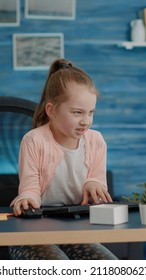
point(15, 120)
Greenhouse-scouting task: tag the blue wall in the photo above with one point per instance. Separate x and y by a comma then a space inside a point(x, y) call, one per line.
point(120, 75)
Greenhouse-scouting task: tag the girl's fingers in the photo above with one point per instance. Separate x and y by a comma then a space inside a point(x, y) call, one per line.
point(25, 203)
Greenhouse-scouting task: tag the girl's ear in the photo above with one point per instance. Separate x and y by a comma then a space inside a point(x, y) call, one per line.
point(50, 110)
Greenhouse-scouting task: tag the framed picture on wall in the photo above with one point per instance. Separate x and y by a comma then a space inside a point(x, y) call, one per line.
point(9, 13)
point(36, 51)
point(50, 9)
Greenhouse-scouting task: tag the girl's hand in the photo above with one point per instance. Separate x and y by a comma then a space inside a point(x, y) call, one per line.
point(96, 192)
point(25, 203)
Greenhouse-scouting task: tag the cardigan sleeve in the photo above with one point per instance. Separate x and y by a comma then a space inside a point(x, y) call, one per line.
point(29, 186)
point(97, 164)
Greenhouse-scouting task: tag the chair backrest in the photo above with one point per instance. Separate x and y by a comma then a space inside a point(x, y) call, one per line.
point(17, 105)
point(15, 120)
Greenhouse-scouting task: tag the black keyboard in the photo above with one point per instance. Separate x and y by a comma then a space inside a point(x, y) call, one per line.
point(67, 210)
point(131, 205)
point(79, 210)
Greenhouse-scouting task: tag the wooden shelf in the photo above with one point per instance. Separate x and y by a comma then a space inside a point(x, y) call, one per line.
point(121, 44)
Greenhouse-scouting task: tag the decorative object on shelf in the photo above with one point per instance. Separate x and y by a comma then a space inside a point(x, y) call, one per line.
point(141, 199)
point(137, 30)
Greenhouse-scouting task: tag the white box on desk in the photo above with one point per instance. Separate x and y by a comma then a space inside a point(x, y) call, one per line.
point(109, 214)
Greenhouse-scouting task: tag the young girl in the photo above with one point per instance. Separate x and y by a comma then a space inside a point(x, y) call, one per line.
point(62, 161)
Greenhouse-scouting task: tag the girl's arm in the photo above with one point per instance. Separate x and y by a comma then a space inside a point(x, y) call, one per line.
point(95, 186)
point(29, 173)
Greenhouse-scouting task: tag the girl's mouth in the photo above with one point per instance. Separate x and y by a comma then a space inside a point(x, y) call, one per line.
point(80, 130)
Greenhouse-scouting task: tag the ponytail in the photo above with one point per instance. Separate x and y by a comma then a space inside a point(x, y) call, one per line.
point(40, 117)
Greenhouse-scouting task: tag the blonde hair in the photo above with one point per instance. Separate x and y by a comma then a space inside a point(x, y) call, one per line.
point(61, 74)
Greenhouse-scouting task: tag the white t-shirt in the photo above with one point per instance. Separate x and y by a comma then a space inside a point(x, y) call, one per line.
point(67, 183)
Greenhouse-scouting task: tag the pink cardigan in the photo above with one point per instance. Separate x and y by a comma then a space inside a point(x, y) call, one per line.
point(40, 154)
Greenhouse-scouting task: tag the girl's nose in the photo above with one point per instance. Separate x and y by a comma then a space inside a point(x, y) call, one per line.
point(85, 121)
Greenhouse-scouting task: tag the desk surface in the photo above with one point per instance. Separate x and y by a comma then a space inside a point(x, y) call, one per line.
point(19, 231)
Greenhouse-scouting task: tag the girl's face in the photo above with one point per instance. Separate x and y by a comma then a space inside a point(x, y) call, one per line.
point(72, 118)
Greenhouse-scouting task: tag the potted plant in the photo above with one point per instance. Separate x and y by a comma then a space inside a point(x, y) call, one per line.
point(141, 199)
point(142, 205)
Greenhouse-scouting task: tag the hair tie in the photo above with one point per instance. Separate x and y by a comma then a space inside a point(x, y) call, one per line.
point(64, 66)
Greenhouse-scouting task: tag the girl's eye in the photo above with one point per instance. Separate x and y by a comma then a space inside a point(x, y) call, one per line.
point(92, 112)
point(77, 112)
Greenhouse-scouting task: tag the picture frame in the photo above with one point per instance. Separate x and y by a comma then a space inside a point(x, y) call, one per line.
point(36, 51)
point(9, 13)
point(50, 9)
